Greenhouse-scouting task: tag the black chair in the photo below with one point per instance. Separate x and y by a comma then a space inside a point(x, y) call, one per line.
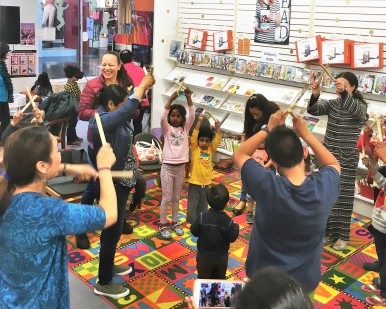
point(58, 128)
point(153, 167)
point(64, 186)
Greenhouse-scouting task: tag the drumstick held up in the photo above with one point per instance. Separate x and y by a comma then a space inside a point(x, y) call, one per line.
point(100, 129)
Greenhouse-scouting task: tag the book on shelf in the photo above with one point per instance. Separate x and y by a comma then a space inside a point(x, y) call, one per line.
point(215, 103)
point(240, 66)
point(232, 106)
point(206, 99)
point(380, 85)
point(219, 84)
point(197, 97)
point(311, 121)
point(320, 126)
point(231, 65)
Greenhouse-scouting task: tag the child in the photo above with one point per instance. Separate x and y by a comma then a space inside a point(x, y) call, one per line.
point(73, 74)
point(215, 231)
point(175, 127)
point(378, 231)
point(202, 148)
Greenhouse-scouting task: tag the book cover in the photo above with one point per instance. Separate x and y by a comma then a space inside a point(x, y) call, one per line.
point(231, 66)
point(231, 87)
point(206, 99)
point(250, 67)
point(283, 72)
point(380, 85)
point(214, 61)
point(261, 69)
point(276, 71)
point(240, 66)
point(206, 60)
point(223, 62)
point(366, 82)
point(219, 84)
point(312, 121)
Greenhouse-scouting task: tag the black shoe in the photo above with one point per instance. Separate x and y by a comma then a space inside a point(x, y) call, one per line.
point(74, 143)
point(377, 282)
point(133, 206)
point(82, 241)
point(79, 139)
point(374, 266)
point(238, 211)
point(127, 228)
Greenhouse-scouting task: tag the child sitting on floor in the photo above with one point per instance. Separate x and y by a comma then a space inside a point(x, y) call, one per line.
point(215, 231)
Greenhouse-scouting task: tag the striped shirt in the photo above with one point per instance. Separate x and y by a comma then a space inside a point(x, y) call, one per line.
point(263, 21)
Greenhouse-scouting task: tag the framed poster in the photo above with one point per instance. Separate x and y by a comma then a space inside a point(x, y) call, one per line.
point(22, 63)
point(175, 47)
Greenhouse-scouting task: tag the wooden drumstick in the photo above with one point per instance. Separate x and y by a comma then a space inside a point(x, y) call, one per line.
point(328, 73)
point(100, 129)
point(290, 109)
point(181, 86)
point(129, 89)
point(211, 115)
point(151, 70)
point(31, 99)
point(379, 128)
point(145, 71)
point(28, 104)
point(121, 174)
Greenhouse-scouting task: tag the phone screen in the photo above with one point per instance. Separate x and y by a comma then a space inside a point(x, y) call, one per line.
point(216, 293)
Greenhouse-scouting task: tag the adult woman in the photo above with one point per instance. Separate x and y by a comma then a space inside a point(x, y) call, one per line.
point(267, 19)
point(6, 88)
point(49, 14)
point(346, 116)
point(116, 112)
point(258, 109)
point(33, 227)
point(112, 73)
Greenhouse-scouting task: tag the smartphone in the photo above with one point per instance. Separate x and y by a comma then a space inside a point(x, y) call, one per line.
point(209, 293)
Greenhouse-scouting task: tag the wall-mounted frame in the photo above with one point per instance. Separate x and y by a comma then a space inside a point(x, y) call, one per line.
point(22, 63)
point(308, 49)
point(222, 40)
point(175, 45)
point(335, 52)
point(197, 38)
point(366, 55)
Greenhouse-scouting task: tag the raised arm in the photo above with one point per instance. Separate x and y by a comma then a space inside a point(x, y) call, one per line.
point(324, 156)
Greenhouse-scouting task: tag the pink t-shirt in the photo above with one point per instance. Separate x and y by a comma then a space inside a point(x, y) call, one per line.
point(137, 74)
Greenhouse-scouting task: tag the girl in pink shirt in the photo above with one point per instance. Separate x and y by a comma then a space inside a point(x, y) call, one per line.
point(175, 127)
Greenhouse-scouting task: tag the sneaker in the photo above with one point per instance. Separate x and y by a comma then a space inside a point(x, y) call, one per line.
point(177, 229)
point(340, 245)
point(82, 241)
point(249, 217)
point(112, 290)
point(165, 231)
point(121, 270)
point(127, 228)
point(374, 266)
point(79, 139)
point(376, 300)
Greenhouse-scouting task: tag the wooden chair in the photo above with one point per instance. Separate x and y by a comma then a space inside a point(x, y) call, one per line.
point(62, 124)
point(149, 168)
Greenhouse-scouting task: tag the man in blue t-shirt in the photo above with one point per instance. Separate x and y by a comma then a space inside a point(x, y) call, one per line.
point(292, 208)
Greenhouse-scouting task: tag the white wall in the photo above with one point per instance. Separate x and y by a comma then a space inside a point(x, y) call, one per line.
point(165, 25)
point(359, 20)
point(28, 14)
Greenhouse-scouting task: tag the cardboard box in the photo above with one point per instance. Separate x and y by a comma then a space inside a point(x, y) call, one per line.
point(197, 38)
point(308, 49)
point(366, 55)
point(335, 52)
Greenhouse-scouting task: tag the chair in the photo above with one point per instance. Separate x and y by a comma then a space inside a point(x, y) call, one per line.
point(58, 128)
point(149, 168)
point(64, 186)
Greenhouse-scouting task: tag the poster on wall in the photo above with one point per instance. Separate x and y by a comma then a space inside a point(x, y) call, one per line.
point(22, 63)
point(175, 47)
point(272, 21)
point(27, 33)
point(143, 28)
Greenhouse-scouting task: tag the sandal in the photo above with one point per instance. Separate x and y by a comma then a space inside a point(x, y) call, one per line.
point(370, 288)
point(375, 300)
point(177, 229)
point(165, 231)
point(238, 211)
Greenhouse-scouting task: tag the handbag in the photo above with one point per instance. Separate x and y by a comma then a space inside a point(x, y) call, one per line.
point(149, 153)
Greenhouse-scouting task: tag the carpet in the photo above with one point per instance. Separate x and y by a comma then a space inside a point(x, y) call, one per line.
point(164, 271)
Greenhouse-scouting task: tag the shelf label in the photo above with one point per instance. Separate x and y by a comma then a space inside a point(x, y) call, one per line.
point(269, 56)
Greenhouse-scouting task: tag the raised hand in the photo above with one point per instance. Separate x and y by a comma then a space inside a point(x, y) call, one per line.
point(315, 86)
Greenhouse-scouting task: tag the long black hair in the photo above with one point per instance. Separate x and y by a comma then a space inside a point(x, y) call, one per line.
point(353, 81)
point(251, 126)
point(113, 93)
